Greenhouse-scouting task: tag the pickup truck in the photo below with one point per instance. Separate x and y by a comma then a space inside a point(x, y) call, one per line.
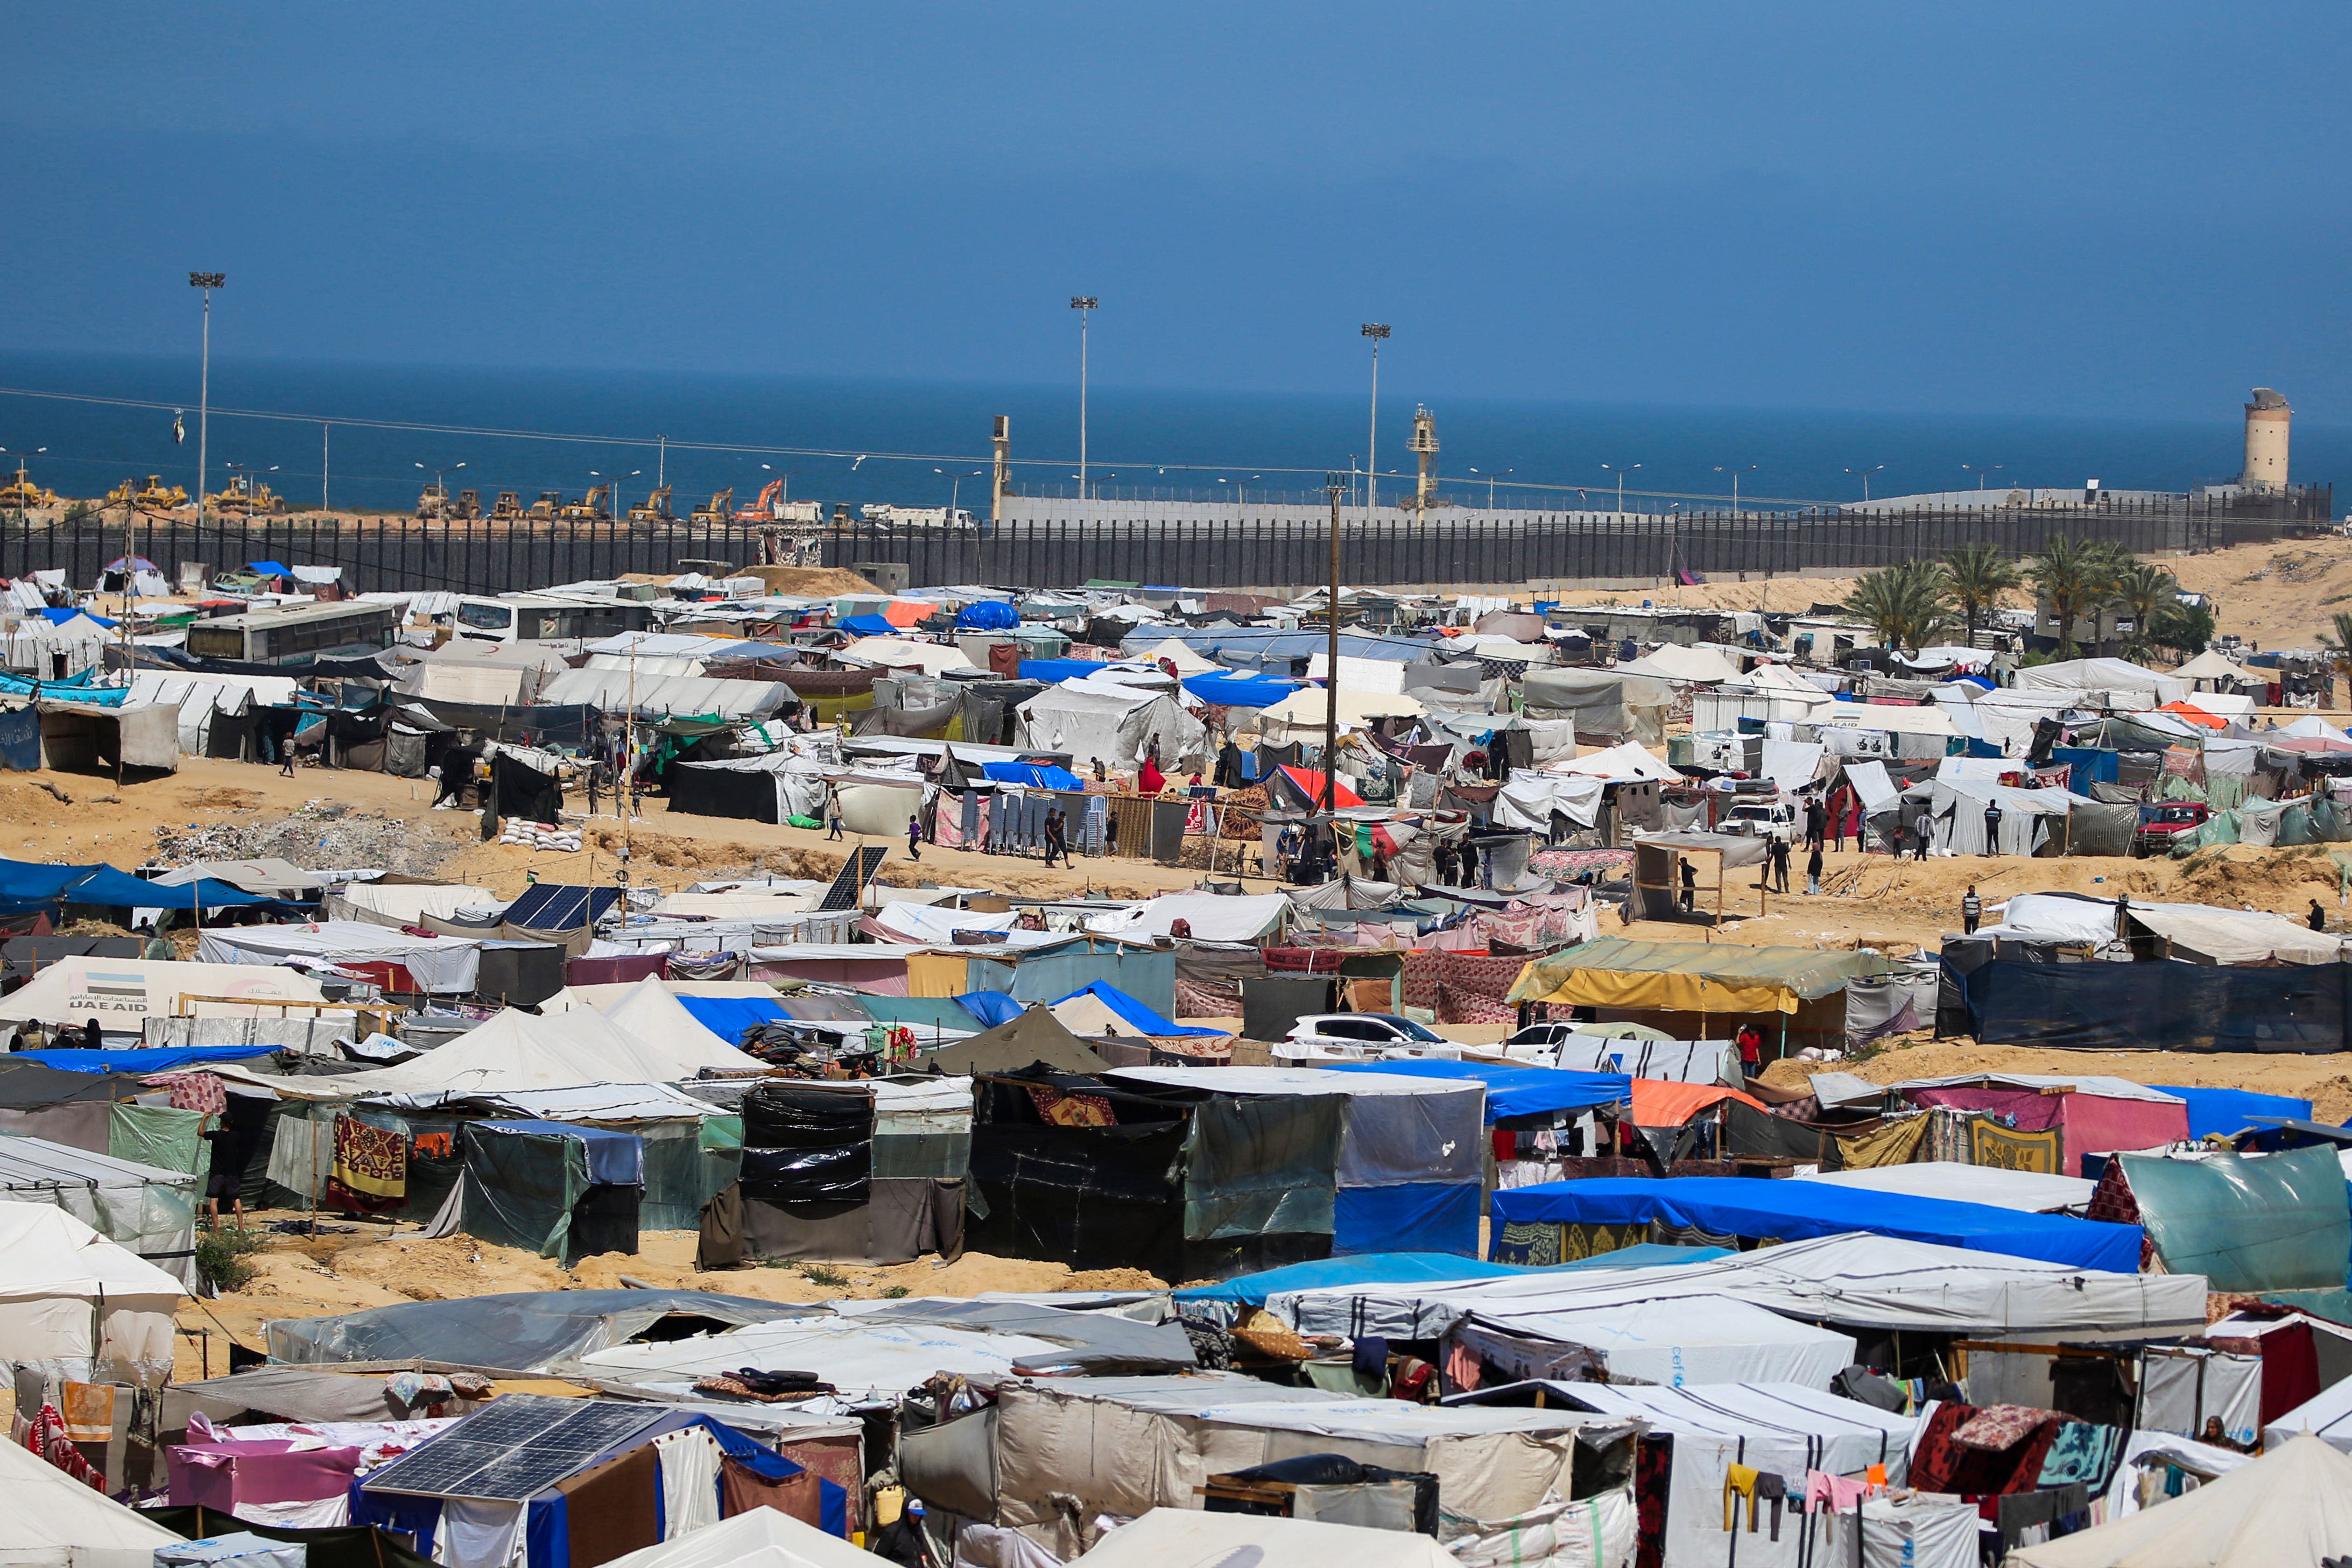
point(2162, 825)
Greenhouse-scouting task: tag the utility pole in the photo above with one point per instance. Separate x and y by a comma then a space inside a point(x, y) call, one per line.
point(1084, 304)
point(1333, 488)
point(207, 281)
point(661, 460)
point(1734, 473)
point(323, 428)
point(1376, 332)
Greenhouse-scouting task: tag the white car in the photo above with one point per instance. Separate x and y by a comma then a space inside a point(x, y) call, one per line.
point(1361, 1036)
point(1761, 820)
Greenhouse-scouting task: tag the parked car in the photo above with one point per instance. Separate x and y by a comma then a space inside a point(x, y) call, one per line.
point(1762, 820)
point(1543, 1034)
point(1341, 1037)
point(2162, 825)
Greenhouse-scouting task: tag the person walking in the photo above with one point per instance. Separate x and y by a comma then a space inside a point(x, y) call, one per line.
point(1971, 910)
point(1813, 871)
point(1817, 821)
point(1055, 844)
point(833, 818)
point(1923, 827)
point(1750, 1041)
point(914, 838)
point(1992, 828)
point(1779, 876)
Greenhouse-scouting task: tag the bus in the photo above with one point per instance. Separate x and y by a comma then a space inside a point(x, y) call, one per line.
point(295, 636)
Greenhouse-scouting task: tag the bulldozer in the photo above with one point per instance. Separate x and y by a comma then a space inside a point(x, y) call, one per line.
point(594, 509)
point(655, 509)
point(550, 505)
point(241, 498)
point(507, 509)
point(23, 493)
point(150, 497)
point(717, 511)
point(466, 507)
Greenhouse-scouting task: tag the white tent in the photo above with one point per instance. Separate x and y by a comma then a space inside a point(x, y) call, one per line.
point(2121, 684)
point(400, 904)
point(756, 1538)
point(146, 1208)
point(1182, 656)
point(56, 1522)
point(1213, 917)
point(901, 653)
point(2326, 1414)
point(1671, 662)
point(442, 964)
point(1305, 708)
point(651, 1012)
point(2028, 1192)
point(1696, 1340)
point(123, 993)
point(1384, 676)
point(2029, 818)
point(520, 1051)
point(2210, 671)
point(75, 1301)
point(1626, 761)
point(1167, 1537)
point(2289, 1508)
point(1105, 721)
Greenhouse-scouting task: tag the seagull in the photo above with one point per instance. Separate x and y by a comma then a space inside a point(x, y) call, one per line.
point(861, 457)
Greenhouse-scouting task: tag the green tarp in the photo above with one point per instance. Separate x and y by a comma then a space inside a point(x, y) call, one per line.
point(158, 1135)
point(522, 1187)
point(1262, 1165)
point(2270, 1222)
point(686, 1164)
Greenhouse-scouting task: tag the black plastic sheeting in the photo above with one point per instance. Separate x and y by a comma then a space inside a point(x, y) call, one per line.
point(524, 792)
point(521, 975)
point(2159, 1006)
point(567, 726)
point(1335, 1473)
point(743, 792)
point(807, 1144)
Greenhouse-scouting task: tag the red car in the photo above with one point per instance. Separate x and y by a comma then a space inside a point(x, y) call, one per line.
point(2162, 825)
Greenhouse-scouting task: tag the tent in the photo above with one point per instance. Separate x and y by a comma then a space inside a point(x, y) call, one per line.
point(869, 1172)
point(1098, 720)
point(76, 1303)
point(1100, 1008)
point(523, 1331)
point(2124, 685)
point(1226, 1300)
point(25, 885)
point(446, 964)
point(2292, 1508)
point(1213, 917)
point(1306, 708)
point(732, 1018)
point(1688, 1341)
point(1689, 976)
point(1671, 662)
point(56, 1522)
point(2270, 1222)
point(123, 993)
point(1787, 1210)
point(1513, 1090)
point(2027, 1192)
point(2048, 1122)
point(404, 904)
point(517, 1051)
point(2226, 1113)
point(148, 1210)
point(1032, 1036)
point(651, 1013)
point(1853, 1281)
point(756, 1538)
point(1181, 1534)
point(560, 1189)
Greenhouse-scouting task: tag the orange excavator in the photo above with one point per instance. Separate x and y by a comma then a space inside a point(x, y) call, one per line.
point(763, 510)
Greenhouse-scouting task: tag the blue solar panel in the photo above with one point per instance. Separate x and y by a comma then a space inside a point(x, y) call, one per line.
point(516, 1449)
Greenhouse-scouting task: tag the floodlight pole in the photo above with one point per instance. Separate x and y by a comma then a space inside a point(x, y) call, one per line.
point(1332, 488)
point(206, 281)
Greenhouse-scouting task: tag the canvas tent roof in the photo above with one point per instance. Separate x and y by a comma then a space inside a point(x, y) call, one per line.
point(1696, 1340)
point(1690, 976)
point(1671, 662)
point(2292, 1508)
point(121, 991)
point(1854, 1281)
point(1305, 707)
point(1213, 917)
point(1185, 1535)
point(146, 1208)
point(651, 1013)
point(1034, 1036)
point(516, 1049)
point(756, 1538)
point(55, 1519)
point(1627, 760)
point(1106, 720)
point(524, 1331)
point(2028, 1192)
point(2123, 681)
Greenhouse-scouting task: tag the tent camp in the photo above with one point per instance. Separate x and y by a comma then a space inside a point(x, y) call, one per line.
point(56, 1522)
point(148, 1210)
point(2289, 1508)
point(1694, 990)
point(76, 1303)
point(123, 993)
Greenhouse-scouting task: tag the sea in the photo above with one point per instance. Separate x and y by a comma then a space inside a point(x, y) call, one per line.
point(368, 435)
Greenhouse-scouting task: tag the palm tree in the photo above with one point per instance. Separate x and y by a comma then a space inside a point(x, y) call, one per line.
point(1979, 575)
point(2340, 643)
point(1907, 606)
point(2075, 576)
point(2144, 589)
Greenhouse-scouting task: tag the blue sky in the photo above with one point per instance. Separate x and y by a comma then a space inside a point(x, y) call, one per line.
point(2102, 209)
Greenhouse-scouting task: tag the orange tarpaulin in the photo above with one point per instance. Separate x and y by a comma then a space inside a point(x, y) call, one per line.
point(1308, 780)
point(907, 612)
point(1660, 1103)
point(2195, 715)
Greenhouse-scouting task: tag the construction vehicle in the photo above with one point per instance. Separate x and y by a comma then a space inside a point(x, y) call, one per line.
point(468, 506)
point(150, 497)
point(549, 505)
point(655, 509)
point(594, 509)
point(23, 493)
point(242, 497)
point(507, 509)
point(763, 510)
point(717, 511)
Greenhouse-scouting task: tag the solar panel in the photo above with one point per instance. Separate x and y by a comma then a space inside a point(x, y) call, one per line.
point(855, 873)
point(515, 1449)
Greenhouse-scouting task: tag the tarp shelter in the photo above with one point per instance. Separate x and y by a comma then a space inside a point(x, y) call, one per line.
point(1102, 720)
point(2123, 684)
point(1514, 1091)
point(1179, 1534)
point(520, 1051)
point(1995, 1186)
point(651, 1012)
point(1785, 1210)
point(1666, 983)
point(25, 885)
point(560, 1189)
point(58, 1522)
point(123, 993)
point(2292, 1508)
point(77, 1304)
point(732, 1018)
point(525, 1331)
point(756, 1538)
point(1850, 1280)
point(1660, 877)
point(1673, 662)
point(2155, 1006)
point(2048, 1122)
point(1113, 1011)
point(868, 1172)
point(1604, 703)
point(1689, 1341)
point(2226, 1113)
point(404, 904)
point(147, 1209)
point(2270, 1222)
point(443, 965)
point(1226, 1300)
point(1034, 1035)
point(1405, 1175)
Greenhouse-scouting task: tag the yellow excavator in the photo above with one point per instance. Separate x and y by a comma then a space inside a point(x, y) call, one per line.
point(655, 509)
point(717, 511)
point(594, 509)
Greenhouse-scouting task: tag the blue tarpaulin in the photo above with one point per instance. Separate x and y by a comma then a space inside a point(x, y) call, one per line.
point(731, 1018)
point(25, 884)
point(269, 568)
point(146, 1058)
point(1363, 1269)
point(1793, 1210)
point(1414, 1217)
point(1054, 671)
point(991, 1008)
point(2087, 765)
point(56, 616)
point(2230, 1112)
point(1238, 690)
point(1516, 1091)
point(870, 626)
point(20, 740)
point(1133, 1013)
point(1037, 775)
point(615, 1159)
point(988, 615)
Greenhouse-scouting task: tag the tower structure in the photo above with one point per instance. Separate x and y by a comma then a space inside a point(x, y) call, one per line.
point(1423, 445)
point(2267, 421)
point(1000, 485)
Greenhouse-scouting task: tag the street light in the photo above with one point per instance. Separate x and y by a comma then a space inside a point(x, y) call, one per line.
point(1735, 472)
point(1240, 486)
point(1378, 333)
point(19, 454)
point(441, 488)
point(1490, 484)
point(955, 485)
point(1865, 474)
point(1620, 472)
point(207, 281)
point(1980, 470)
point(1084, 305)
point(613, 504)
